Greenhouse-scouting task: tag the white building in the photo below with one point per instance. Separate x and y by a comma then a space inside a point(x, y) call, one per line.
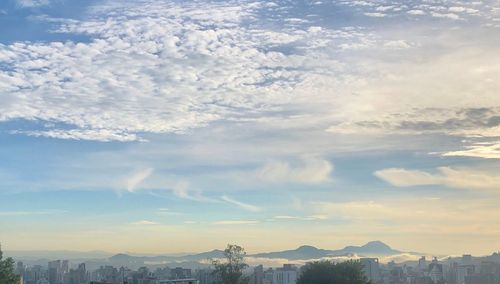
point(463, 271)
point(371, 269)
point(285, 277)
point(288, 274)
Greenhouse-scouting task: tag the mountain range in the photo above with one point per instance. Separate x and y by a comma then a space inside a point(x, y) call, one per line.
point(306, 252)
point(302, 254)
point(375, 248)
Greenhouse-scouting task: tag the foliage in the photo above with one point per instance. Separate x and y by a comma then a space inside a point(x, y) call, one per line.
point(328, 272)
point(7, 272)
point(230, 270)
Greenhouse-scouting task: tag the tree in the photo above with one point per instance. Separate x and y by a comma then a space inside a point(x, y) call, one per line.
point(328, 272)
point(230, 270)
point(7, 273)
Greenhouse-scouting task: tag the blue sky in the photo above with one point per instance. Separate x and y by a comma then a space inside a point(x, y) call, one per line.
point(171, 126)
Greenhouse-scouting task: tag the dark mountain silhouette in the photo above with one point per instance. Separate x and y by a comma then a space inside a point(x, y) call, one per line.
point(202, 256)
point(306, 252)
point(375, 248)
point(303, 252)
point(126, 259)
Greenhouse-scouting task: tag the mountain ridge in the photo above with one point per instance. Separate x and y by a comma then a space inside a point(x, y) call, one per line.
point(373, 248)
point(305, 252)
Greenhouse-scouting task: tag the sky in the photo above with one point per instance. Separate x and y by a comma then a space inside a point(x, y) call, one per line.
point(157, 126)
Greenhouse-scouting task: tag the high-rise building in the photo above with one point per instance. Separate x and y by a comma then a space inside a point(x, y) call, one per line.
point(371, 269)
point(108, 274)
point(422, 264)
point(396, 275)
point(463, 271)
point(258, 275)
point(436, 272)
point(33, 274)
point(466, 259)
point(180, 273)
point(285, 275)
point(55, 272)
point(206, 276)
point(64, 267)
point(268, 276)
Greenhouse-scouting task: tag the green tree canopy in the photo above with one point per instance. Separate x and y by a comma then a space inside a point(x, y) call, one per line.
point(7, 272)
point(230, 269)
point(328, 272)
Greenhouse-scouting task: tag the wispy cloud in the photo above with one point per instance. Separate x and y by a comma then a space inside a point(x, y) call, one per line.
point(144, 223)
point(307, 218)
point(240, 204)
point(236, 222)
point(31, 213)
point(136, 178)
point(183, 189)
point(487, 150)
point(309, 170)
point(32, 3)
point(168, 212)
point(456, 178)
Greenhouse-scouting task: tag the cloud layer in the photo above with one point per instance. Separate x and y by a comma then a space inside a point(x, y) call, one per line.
point(168, 67)
point(456, 178)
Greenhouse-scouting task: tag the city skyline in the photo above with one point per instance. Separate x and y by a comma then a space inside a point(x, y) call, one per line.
point(465, 269)
point(303, 253)
point(159, 126)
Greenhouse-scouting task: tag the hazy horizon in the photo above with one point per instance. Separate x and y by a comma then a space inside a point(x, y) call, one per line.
point(103, 254)
point(182, 126)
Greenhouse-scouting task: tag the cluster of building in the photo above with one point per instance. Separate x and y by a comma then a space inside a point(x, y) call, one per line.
point(288, 274)
point(463, 271)
point(59, 272)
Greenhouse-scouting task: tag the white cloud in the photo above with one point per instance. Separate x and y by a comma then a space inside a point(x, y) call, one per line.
point(310, 170)
point(445, 15)
point(405, 178)
point(385, 8)
point(144, 223)
point(487, 150)
point(397, 44)
point(416, 12)
point(236, 222)
point(307, 218)
point(240, 204)
point(103, 135)
point(286, 217)
point(376, 15)
point(164, 67)
point(183, 189)
point(460, 9)
point(185, 70)
point(32, 3)
point(136, 178)
point(30, 213)
point(413, 212)
point(317, 217)
point(450, 177)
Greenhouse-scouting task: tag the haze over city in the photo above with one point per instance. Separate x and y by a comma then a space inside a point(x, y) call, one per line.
point(159, 127)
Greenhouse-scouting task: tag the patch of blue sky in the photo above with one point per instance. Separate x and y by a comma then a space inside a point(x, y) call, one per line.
point(30, 24)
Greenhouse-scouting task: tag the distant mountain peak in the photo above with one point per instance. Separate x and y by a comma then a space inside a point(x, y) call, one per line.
point(377, 244)
point(120, 255)
point(307, 248)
